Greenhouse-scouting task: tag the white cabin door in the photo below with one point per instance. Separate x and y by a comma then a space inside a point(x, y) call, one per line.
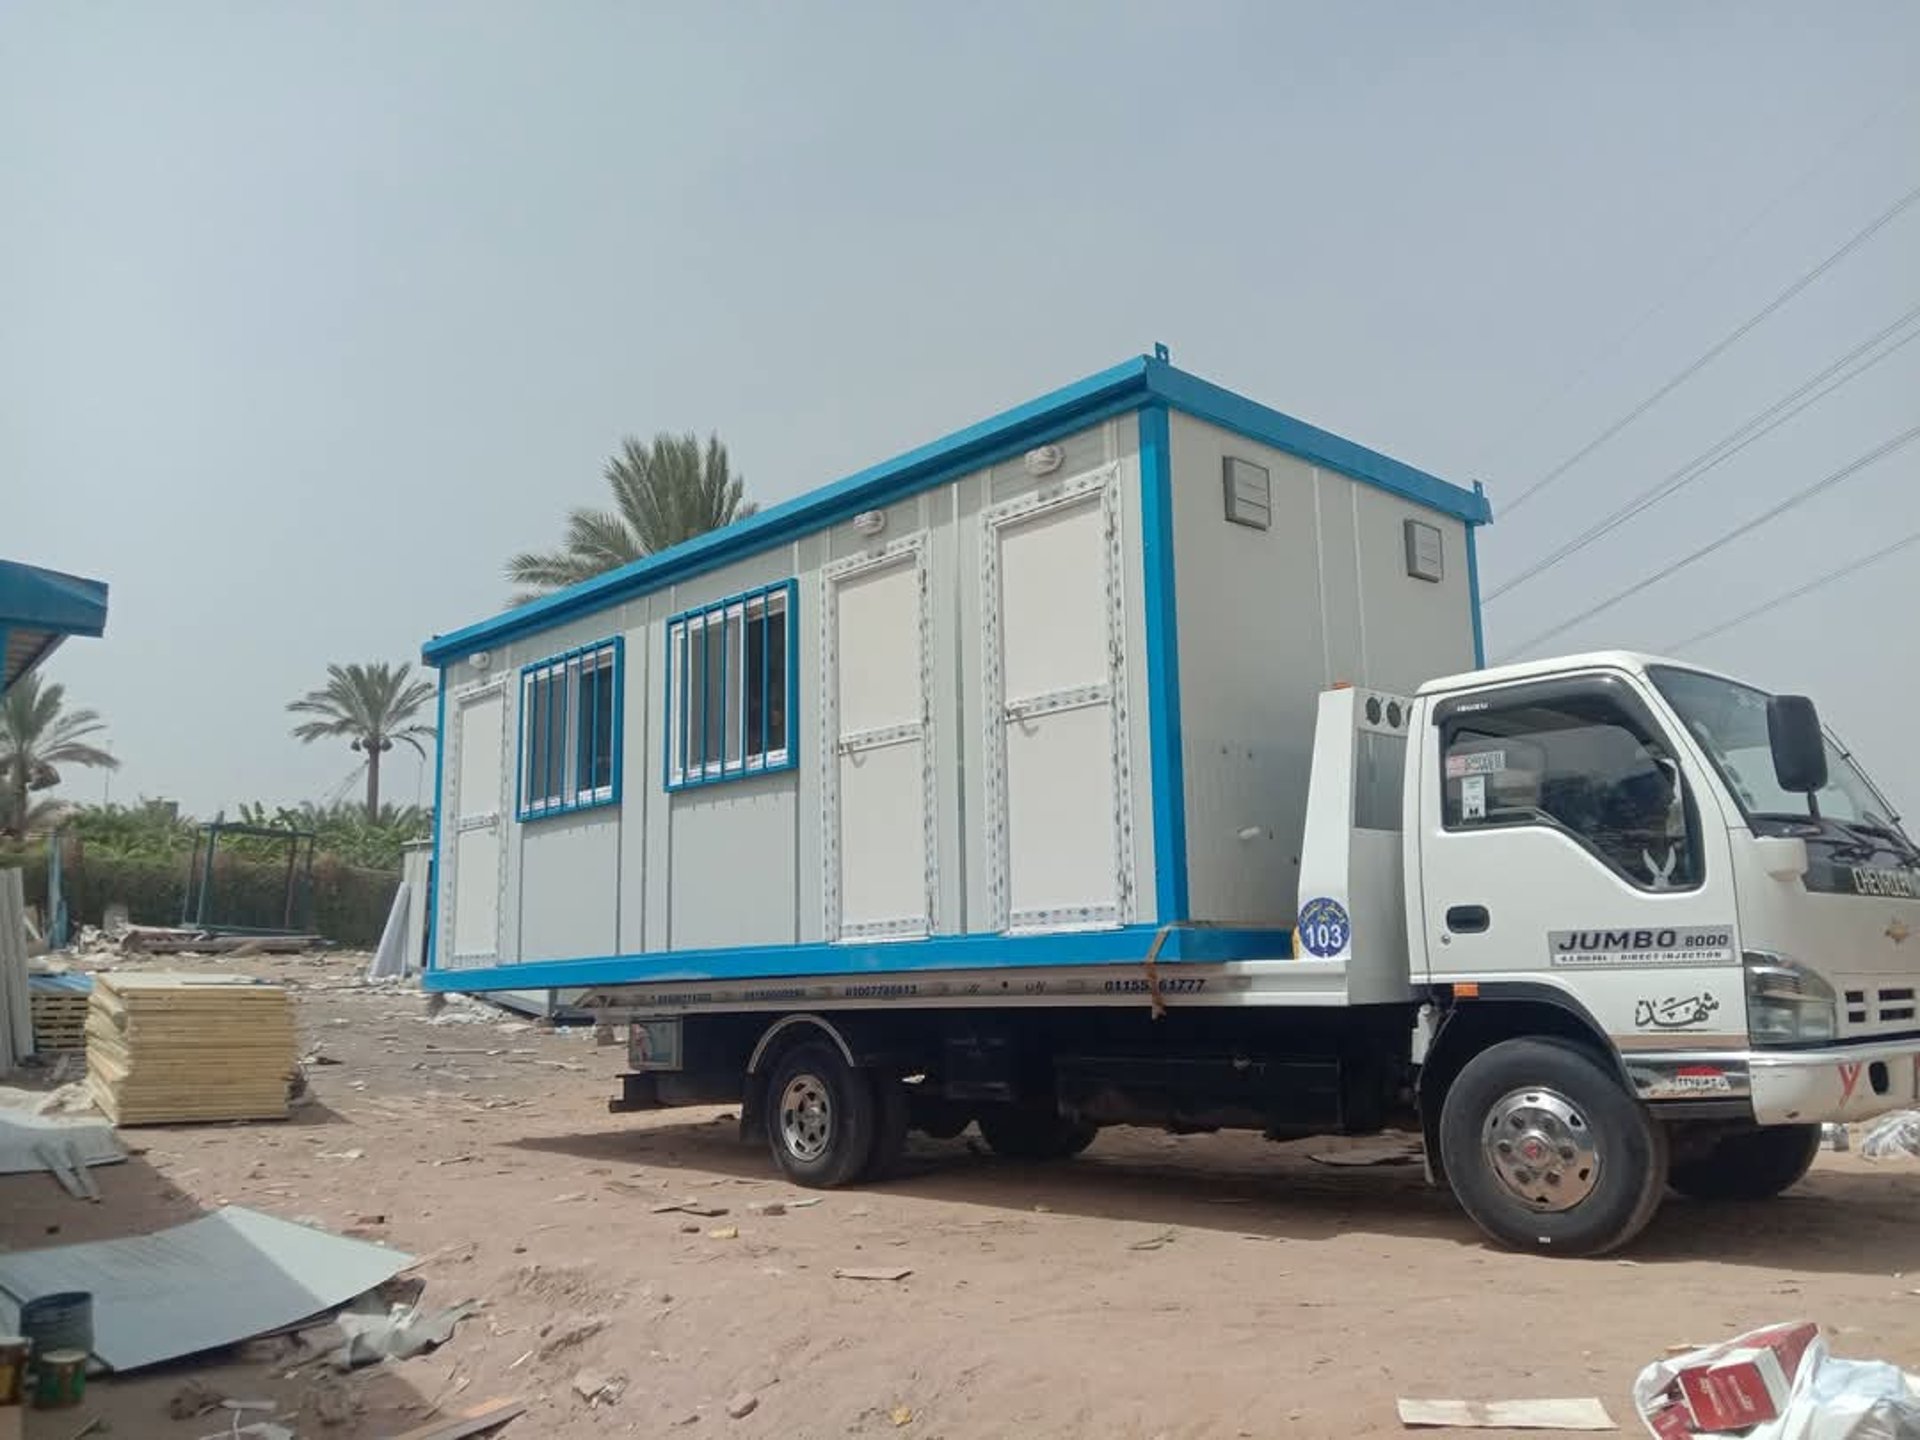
point(878, 785)
point(473, 880)
point(1060, 811)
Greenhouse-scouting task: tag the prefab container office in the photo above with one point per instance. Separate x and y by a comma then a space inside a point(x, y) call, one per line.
point(1039, 693)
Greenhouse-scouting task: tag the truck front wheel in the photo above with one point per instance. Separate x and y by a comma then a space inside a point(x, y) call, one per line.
point(1546, 1149)
point(1748, 1164)
point(821, 1116)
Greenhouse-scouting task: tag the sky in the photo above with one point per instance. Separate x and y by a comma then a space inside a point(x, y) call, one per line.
point(311, 315)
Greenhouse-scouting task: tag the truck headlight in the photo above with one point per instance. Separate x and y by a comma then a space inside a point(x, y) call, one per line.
point(1788, 1004)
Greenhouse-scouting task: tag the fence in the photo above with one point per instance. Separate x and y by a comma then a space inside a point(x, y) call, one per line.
point(349, 904)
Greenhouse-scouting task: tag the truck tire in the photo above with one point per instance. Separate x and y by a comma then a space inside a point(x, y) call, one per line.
point(1545, 1149)
point(889, 1126)
point(1749, 1164)
point(1020, 1132)
point(821, 1114)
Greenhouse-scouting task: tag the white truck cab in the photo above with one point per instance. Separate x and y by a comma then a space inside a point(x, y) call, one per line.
point(1676, 862)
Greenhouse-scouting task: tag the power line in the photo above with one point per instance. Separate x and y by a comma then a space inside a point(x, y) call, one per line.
point(1807, 589)
point(1707, 260)
point(1725, 448)
point(1720, 347)
point(1799, 497)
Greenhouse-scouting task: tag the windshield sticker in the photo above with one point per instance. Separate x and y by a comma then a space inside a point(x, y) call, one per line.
point(1473, 798)
point(1675, 1012)
point(1893, 884)
point(1479, 762)
point(1695, 945)
point(1324, 930)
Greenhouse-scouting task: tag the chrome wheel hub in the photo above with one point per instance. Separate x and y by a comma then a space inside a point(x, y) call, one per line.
point(806, 1117)
point(1542, 1149)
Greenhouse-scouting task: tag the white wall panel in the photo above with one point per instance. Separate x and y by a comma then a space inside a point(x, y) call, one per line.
point(569, 885)
point(1059, 835)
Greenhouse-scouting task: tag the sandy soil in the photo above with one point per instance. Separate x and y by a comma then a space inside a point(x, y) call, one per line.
point(1157, 1286)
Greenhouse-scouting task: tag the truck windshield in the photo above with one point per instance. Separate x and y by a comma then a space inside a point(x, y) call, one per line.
point(1730, 723)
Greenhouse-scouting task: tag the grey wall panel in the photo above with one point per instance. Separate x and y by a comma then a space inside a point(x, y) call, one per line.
point(1267, 619)
point(1252, 663)
point(569, 866)
point(1339, 558)
point(1416, 629)
point(733, 863)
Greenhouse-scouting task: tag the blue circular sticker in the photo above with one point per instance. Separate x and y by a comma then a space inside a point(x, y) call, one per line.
point(1324, 930)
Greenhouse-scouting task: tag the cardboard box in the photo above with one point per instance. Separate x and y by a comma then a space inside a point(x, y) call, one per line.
point(1743, 1387)
point(1672, 1421)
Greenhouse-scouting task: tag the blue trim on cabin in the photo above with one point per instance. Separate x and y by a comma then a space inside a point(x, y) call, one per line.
point(1204, 400)
point(562, 738)
point(676, 687)
point(1129, 945)
point(1473, 583)
point(44, 607)
point(1163, 669)
point(435, 872)
point(1127, 387)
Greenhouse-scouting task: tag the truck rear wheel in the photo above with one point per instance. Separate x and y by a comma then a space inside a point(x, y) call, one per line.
point(1544, 1148)
point(821, 1115)
point(1749, 1164)
point(1019, 1132)
point(890, 1124)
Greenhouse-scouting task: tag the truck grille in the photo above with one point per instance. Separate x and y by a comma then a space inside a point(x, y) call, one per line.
point(1889, 1007)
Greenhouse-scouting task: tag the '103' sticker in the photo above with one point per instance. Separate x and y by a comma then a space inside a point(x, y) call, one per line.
point(1324, 930)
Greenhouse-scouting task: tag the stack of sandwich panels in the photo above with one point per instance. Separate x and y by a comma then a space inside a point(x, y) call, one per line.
point(167, 1049)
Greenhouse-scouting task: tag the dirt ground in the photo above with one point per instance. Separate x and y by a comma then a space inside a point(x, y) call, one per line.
point(1209, 1286)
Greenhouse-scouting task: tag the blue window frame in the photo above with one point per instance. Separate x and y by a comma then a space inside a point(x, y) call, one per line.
point(570, 730)
point(730, 688)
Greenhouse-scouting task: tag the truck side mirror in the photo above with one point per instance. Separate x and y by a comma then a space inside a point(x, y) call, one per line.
point(1799, 745)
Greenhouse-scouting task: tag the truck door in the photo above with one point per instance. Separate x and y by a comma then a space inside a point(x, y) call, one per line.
point(1562, 842)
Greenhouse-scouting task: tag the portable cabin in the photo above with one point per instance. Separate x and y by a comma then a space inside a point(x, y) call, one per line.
point(1040, 692)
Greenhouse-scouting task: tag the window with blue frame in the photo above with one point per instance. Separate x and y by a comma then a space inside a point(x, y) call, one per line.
point(730, 708)
point(570, 731)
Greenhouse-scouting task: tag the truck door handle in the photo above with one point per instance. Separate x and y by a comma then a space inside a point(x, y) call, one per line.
point(1468, 919)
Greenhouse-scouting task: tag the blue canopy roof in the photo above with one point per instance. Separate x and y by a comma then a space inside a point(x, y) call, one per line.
point(40, 608)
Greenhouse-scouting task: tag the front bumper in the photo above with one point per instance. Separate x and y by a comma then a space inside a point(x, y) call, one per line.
point(1834, 1084)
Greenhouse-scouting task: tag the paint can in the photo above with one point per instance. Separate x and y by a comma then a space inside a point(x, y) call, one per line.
point(13, 1369)
point(59, 1322)
point(59, 1379)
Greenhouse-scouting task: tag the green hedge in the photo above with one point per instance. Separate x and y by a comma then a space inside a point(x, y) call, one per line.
point(349, 904)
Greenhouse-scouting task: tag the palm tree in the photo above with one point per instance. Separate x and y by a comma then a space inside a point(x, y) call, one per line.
point(38, 735)
point(663, 494)
point(376, 705)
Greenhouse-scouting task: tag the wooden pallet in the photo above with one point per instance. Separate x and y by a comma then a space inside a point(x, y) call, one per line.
point(59, 1022)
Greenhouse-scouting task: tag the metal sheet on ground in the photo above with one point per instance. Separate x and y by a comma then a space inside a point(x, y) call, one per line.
point(212, 1282)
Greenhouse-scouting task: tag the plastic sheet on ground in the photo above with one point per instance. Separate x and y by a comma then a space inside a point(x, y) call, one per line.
point(1895, 1136)
point(1830, 1398)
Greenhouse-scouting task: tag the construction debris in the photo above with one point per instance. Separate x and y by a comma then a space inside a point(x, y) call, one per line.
point(1777, 1383)
point(475, 1420)
point(399, 1333)
point(33, 1136)
point(169, 1048)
